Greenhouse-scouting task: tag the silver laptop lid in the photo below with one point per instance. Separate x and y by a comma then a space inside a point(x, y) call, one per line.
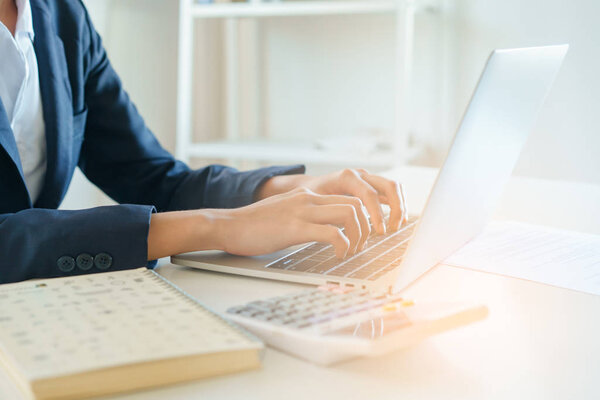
point(487, 144)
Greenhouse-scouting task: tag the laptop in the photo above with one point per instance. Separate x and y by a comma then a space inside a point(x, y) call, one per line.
point(486, 146)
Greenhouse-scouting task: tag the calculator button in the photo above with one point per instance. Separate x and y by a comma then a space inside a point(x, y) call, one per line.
point(259, 303)
point(248, 313)
point(235, 310)
point(390, 307)
point(320, 319)
point(305, 315)
point(277, 299)
point(300, 325)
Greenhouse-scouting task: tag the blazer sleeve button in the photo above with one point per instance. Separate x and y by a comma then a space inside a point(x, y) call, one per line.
point(85, 261)
point(66, 263)
point(103, 261)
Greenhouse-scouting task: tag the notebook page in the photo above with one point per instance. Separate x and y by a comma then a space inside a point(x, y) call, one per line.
point(63, 326)
point(556, 257)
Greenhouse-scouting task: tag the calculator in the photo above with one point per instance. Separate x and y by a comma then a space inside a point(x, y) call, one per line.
point(330, 324)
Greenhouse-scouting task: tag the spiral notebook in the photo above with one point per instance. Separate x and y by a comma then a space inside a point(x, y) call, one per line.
point(99, 334)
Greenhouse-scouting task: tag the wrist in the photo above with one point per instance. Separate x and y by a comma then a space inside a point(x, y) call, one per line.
point(209, 229)
point(184, 231)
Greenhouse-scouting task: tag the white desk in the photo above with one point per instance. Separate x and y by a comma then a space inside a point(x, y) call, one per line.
point(539, 342)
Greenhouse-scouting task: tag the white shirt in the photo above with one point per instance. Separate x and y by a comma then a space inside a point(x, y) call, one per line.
point(20, 95)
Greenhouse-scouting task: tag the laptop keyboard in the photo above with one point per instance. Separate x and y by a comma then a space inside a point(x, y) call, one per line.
point(382, 253)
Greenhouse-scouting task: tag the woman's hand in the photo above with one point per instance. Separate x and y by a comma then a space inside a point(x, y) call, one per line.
point(372, 190)
point(295, 217)
point(275, 223)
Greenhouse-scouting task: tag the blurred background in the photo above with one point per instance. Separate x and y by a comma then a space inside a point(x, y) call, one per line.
point(360, 83)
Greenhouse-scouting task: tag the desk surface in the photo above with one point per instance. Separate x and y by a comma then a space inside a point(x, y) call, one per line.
point(538, 341)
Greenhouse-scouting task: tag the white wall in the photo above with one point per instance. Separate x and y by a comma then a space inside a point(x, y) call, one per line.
point(566, 141)
point(332, 76)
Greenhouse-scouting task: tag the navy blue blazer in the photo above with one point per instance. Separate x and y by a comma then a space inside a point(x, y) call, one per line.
point(91, 123)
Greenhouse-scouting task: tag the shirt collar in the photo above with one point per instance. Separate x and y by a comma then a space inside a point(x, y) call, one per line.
point(24, 19)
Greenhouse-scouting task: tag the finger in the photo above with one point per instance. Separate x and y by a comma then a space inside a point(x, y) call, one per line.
point(394, 196)
point(384, 200)
point(363, 219)
point(299, 192)
point(404, 206)
point(337, 214)
point(326, 234)
point(357, 186)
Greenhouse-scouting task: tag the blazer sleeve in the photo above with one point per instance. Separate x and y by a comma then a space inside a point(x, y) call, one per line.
point(44, 243)
point(123, 158)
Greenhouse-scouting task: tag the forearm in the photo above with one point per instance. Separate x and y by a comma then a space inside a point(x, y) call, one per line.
point(183, 231)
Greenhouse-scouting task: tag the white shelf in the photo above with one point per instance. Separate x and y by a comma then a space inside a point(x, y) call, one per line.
point(269, 151)
point(293, 8)
point(285, 153)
